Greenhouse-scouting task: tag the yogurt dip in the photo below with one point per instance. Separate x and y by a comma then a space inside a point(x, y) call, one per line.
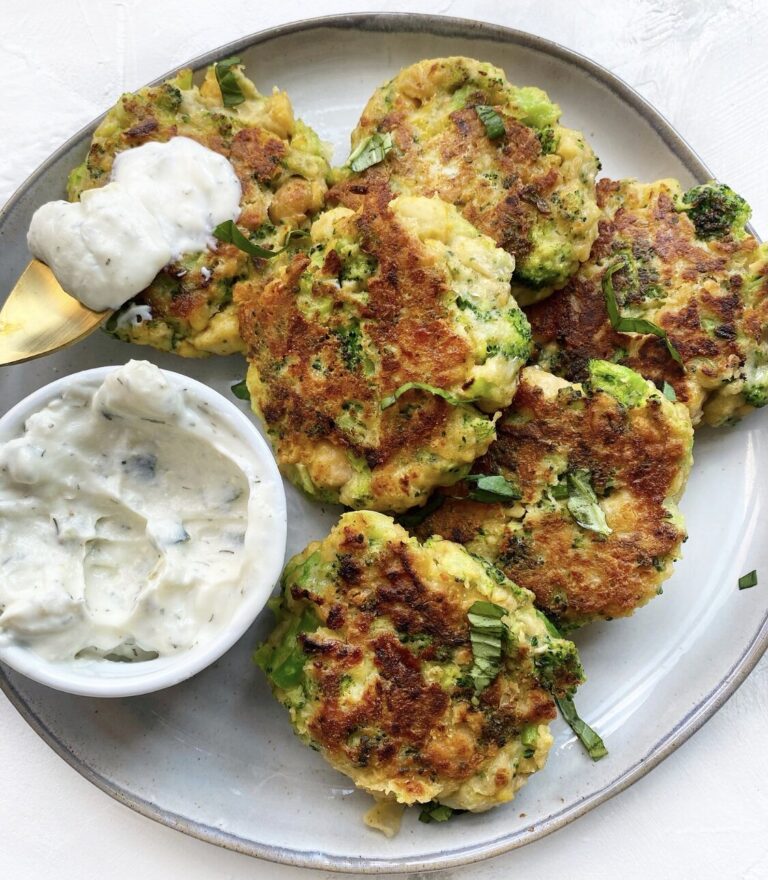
point(133, 522)
point(163, 200)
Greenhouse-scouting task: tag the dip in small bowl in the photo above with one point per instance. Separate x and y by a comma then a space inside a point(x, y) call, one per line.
point(142, 530)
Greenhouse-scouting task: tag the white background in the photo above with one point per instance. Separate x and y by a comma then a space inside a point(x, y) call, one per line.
point(704, 812)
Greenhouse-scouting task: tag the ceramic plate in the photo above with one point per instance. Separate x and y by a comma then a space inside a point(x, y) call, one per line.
point(215, 757)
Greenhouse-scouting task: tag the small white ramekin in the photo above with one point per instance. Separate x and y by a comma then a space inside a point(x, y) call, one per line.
point(104, 678)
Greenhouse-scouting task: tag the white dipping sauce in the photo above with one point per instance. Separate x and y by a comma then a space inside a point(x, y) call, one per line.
point(164, 200)
point(129, 523)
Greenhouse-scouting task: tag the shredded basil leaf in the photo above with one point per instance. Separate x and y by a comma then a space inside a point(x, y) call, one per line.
point(669, 392)
point(582, 503)
point(416, 515)
point(492, 489)
point(632, 325)
point(486, 633)
point(229, 233)
point(422, 386)
point(231, 93)
point(589, 738)
point(371, 151)
point(748, 580)
point(494, 124)
point(435, 812)
point(240, 390)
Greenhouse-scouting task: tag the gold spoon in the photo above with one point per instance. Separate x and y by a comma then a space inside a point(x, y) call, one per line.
point(39, 318)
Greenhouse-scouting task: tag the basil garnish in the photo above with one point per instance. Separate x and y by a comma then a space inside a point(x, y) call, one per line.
point(486, 633)
point(231, 93)
point(632, 325)
point(435, 812)
point(422, 386)
point(229, 233)
point(494, 124)
point(669, 392)
point(492, 489)
point(371, 151)
point(582, 503)
point(589, 738)
point(748, 580)
point(240, 390)
point(416, 515)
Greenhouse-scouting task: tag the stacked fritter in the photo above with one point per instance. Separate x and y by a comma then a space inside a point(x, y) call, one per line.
point(387, 356)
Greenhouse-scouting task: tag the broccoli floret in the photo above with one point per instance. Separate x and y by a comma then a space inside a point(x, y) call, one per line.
point(558, 666)
point(715, 210)
point(625, 385)
point(535, 108)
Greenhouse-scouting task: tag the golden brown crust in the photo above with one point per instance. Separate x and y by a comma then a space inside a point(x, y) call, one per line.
point(690, 288)
point(636, 459)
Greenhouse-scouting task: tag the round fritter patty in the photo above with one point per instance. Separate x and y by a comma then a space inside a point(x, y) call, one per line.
point(686, 264)
point(373, 657)
point(519, 176)
point(598, 469)
point(374, 358)
point(281, 165)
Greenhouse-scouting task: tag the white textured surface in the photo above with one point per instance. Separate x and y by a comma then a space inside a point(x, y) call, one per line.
point(702, 813)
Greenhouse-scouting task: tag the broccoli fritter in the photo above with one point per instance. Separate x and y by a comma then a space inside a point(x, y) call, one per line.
point(685, 263)
point(459, 130)
point(598, 470)
point(281, 165)
point(375, 656)
point(375, 357)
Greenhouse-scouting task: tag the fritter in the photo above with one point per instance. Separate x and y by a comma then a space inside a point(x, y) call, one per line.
point(685, 263)
point(375, 357)
point(459, 130)
point(281, 165)
point(376, 656)
point(597, 470)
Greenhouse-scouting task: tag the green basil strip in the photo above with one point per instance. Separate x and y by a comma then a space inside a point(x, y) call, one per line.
point(494, 124)
point(748, 580)
point(416, 515)
point(589, 738)
point(583, 505)
point(240, 390)
point(435, 812)
point(230, 234)
point(231, 93)
point(669, 392)
point(632, 325)
point(492, 489)
point(371, 151)
point(421, 386)
point(486, 633)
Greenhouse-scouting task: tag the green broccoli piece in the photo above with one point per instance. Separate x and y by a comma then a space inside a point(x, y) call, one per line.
point(715, 210)
point(558, 666)
point(625, 385)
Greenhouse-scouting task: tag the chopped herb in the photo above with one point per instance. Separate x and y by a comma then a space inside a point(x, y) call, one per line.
point(371, 151)
point(631, 325)
point(494, 124)
point(669, 392)
point(435, 812)
point(486, 633)
point(240, 390)
point(748, 580)
point(492, 489)
point(229, 233)
point(231, 93)
point(416, 515)
point(589, 738)
point(582, 503)
point(421, 386)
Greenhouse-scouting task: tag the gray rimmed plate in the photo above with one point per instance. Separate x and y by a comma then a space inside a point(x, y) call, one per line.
point(215, 757)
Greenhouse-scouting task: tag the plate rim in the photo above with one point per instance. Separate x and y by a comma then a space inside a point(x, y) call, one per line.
point(443, 26)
